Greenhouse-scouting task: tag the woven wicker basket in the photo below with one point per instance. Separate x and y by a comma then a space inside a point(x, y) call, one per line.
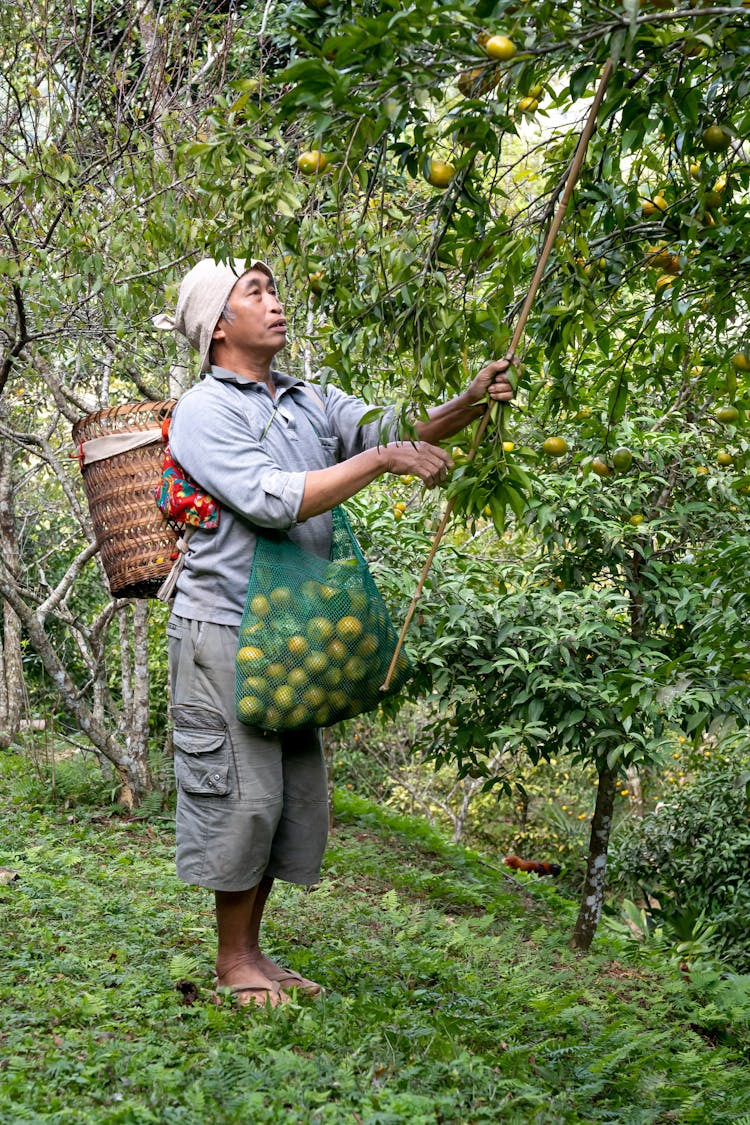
point(137, 543)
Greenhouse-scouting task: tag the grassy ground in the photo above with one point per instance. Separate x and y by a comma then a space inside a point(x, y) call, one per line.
point(452, 996)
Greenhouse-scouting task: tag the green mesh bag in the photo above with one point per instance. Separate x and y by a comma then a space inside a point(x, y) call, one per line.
point(316, 639)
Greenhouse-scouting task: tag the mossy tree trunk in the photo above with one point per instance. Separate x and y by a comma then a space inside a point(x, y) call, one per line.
point(596, 867)
point(12, 693)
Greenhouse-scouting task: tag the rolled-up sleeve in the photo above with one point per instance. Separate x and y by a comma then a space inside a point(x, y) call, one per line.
point(344, 413)
point(216, 444)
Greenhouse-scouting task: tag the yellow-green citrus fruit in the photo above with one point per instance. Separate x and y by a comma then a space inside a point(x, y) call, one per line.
point(601, 468)
point(250, 708)
point(316, 662)
point(298, 645)
point(555, 446)
point(636, 519)
point(284, 697)
point(654, 206)
point(319, 629)
point(724, 457)
point(249, 656)
point(355, 669)
point(349, 628)
point(741, 361)
point(622, 459)
point(276, 671)
point(477, 81)
point(368, 646)
point(312, 161)
point(508, 446)
point(528, 105)
point(250, 635)
point(255, 685)
point(298, 677)
point(337, 651)
point(727, 415)
point(332, 677)
point(716, 139)
point(259, 605)
point(314, 696)
point(500, 47)
point(440, 173)
point(281, 595)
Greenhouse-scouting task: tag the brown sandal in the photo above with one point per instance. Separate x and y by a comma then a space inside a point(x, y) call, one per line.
point(288, 979)
point(263, 996)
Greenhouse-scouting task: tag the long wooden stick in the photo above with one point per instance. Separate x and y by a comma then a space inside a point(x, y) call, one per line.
point(573, 174)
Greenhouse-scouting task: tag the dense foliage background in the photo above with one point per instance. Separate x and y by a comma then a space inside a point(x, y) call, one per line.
point(589, 607)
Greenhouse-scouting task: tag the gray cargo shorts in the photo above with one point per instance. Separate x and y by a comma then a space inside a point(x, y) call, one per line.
point(249, 803)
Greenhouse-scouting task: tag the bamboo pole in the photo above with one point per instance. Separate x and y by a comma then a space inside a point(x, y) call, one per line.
point(575, 170)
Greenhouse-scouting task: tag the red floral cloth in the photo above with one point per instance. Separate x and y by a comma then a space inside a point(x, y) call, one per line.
point(181, 499)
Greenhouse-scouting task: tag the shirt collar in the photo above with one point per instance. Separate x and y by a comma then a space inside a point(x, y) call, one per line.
point(282, 381)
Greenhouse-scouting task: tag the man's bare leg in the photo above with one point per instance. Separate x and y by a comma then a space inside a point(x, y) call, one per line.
point(285, 978)
point(239, 960)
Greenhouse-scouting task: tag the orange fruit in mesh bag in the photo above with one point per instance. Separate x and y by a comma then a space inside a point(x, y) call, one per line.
point(298, 645)
point(250, 708)
point(319, 629)
point(348, 628)
point(250, 657)
point(337, 651)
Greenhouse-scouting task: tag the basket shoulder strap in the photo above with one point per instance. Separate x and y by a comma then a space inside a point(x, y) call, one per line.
point(316, 396)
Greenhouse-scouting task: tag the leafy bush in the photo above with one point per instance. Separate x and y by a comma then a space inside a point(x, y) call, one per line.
point(691, 855)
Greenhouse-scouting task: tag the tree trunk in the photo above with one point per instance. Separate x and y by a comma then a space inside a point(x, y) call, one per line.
point(132, 771)
point(635, 792)
point(137, 738)
point(596, 868)
point(12, 691)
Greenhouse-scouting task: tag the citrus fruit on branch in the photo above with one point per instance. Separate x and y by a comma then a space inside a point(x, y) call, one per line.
point(716, 138)
point(499, 47)
point(555, 446)
point(439, 173)
point(312, 161)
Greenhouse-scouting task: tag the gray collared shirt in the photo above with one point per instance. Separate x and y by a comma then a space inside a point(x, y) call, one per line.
point(252, 454)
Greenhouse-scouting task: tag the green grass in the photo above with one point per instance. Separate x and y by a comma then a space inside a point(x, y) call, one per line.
point(452, 996)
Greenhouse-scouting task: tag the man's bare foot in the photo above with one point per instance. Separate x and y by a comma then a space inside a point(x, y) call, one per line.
point(249, 984)
point(287, 978)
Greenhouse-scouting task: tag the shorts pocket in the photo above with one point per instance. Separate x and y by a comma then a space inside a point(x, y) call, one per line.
point(203, 757)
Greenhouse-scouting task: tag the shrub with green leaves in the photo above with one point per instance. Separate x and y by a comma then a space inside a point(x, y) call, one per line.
point(691, 855)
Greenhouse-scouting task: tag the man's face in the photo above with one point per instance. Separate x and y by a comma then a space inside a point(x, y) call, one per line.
point(258, 325)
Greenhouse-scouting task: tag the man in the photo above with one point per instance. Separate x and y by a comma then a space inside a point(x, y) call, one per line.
point(276, 454)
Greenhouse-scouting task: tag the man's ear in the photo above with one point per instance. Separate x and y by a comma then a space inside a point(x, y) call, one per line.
point(218, 332)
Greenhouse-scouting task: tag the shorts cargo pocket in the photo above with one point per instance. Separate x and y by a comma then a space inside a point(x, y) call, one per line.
point(202, 752)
